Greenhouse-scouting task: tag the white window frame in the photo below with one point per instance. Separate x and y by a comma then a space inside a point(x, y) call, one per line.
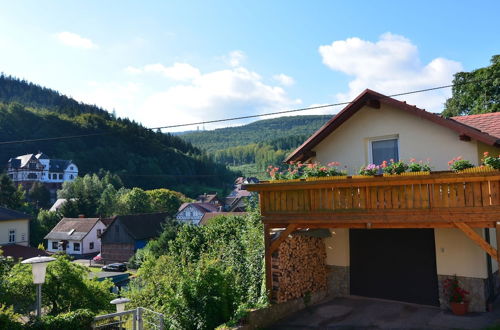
point(56, 244)
point(91, 245)
point(381, 138)
point(79, 246)
point(12, 235)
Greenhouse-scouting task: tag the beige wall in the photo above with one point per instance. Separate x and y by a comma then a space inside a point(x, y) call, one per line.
point(457, 254)
point(337, 247)
point(22, 231)
point(418, 138)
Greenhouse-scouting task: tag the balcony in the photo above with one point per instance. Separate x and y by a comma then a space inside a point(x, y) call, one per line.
point(440, 199)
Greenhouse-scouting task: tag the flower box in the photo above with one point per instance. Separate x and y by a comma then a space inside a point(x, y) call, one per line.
point(409, 173)
point(327, 178)
point(285, 181)
point(359, 176)
point(478, 169)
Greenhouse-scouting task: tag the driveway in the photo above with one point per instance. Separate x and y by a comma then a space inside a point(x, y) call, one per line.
point(366, 313)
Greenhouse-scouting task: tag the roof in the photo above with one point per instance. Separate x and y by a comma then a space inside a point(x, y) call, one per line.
point(143, 226)
point(107, 221)
point(202, 207)
point(59, 203)
point(74, 229)
point(8, 214)
point(486, 122)
point(20, 161)
point(374, 99)
point(207, 216)
point(207, 198)
point(58, 165)
point(24, 252)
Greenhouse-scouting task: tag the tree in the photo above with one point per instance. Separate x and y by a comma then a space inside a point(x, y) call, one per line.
point(475, 92)
point(39, 195)
point(134, 201)
point(42, 225)
point(164, 200)
point(10, 196)
point(67, 288)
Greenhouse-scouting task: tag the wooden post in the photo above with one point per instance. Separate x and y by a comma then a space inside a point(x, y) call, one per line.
point(476, 238)
point(497, 229)
point(267, 259)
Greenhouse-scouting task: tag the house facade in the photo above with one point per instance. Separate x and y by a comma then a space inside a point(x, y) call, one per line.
point(76, 236)
point(30, 168)
point(192, 213)
point(408, 263)
point(127, 233)
point(14, 228)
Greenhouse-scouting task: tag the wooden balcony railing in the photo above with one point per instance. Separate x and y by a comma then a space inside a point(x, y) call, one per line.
point(438, 198)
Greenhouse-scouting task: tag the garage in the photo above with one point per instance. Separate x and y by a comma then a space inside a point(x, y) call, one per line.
point(395, 264)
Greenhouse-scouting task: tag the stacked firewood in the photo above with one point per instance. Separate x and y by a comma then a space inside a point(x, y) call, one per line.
point(298, 268)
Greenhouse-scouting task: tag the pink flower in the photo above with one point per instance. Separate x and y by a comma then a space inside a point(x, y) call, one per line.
point(486, 154)
point(412, 160)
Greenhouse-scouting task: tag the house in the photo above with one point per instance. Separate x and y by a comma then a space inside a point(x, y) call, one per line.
point(30, 168)
point(14, 227)
point(76, 236)
point(192, 213)
point(14, 235)
point(128, 233)
point(210, 199)
point(396, 238)
point(237, 199)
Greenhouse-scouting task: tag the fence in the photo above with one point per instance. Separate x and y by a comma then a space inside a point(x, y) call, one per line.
point(136, 319)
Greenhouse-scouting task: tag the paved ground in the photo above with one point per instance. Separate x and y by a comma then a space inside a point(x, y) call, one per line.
point(365, 313)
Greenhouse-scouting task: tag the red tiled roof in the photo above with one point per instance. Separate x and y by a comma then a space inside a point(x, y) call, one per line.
point(24, 252)
point(486, 122)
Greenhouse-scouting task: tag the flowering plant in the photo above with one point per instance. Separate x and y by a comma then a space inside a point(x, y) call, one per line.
point(370, 169)
point(420, 166)
point(459, 164)
point(493, 162)
point(394, 167)
point(454, 291)
point(292, 172)
point(316, 170)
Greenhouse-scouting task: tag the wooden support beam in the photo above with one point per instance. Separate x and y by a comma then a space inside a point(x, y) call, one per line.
point(275, 244)
point(267, 261)
point(304, 225)
point(497, 227)
point(477, 239)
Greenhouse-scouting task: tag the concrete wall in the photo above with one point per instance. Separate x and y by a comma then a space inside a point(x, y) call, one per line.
point(22, 231)
point(418, 138)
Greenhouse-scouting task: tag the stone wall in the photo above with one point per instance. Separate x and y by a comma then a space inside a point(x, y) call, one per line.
point(477, 287)
point(338, 281)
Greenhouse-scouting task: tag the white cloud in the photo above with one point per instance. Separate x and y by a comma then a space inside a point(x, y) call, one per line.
point(75, 40)
point(236, 57)
point(284, 80)
point(178, 71)
point(390, 66)
point(133, 70)
point(226, 93)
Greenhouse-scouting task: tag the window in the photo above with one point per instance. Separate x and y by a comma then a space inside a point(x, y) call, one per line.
point(60, 176)
point(32, 176)
point(55, 245)
point(384, 149)
point(76, 246)
point(98, 233)
point(54, 176)
point(12, 235)
point(91, 245)
point(32, 166)
point(71, 176)
point(71, 168)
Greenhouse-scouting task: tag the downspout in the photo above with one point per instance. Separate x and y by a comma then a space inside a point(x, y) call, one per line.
point(490, 282)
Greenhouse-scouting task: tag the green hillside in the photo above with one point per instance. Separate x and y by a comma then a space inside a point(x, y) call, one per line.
point(140, 156)
point(251, 148)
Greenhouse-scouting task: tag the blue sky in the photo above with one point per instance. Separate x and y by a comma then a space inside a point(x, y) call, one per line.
point(171, 62)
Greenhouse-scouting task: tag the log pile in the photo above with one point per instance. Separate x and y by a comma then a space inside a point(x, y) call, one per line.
point(298, 268)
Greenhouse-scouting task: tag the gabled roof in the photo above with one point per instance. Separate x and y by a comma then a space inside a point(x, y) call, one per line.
point(142, 226)
point(74, 229)
point(58, 165)
point(202, 207)
point(8, 214)
point(374, 99)
point(21, 161)
point(488, 123)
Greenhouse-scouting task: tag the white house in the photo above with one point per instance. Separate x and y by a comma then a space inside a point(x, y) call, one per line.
point(78, 236)
point(193, 212)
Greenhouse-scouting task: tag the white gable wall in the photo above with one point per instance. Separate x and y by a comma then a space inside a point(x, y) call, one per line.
point(92, 237)
point(190, 214)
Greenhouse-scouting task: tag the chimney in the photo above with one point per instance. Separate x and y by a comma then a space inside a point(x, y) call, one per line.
point(81, 215)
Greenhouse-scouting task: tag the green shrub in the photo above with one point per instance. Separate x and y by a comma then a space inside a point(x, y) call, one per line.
point(80, 319)
point(9, 319)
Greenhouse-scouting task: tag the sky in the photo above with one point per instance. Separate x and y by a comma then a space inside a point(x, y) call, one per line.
point(173, 62)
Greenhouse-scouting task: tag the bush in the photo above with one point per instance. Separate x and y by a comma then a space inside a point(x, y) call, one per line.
point(9, 319)
point(493, 162)
point(80, 319)
point(459, 164)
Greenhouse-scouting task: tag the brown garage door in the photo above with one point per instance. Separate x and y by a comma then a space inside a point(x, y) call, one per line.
point(396, 264)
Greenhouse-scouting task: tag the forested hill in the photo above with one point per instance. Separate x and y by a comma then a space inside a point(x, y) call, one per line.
point(141, 157)
point(251, 148)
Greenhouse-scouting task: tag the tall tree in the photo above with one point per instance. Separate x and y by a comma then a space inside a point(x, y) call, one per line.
point(10, 197)
point(475, 92)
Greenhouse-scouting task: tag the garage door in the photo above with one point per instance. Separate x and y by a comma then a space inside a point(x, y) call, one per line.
point(395, 264)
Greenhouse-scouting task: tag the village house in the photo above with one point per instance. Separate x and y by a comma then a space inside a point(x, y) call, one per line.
point(128, 233)
point(237, 199)
point(30, 168)
point(192, 213)
point(76, 236)
point(210, 199)
point(14, 235)
point(394, 238)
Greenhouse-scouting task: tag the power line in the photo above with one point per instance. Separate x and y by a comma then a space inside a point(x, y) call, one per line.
point(242, 117)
